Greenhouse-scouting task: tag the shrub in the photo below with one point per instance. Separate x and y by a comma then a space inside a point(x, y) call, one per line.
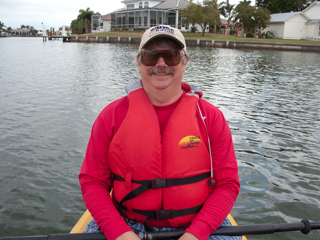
point(249, 35)
point(233, 32)
point(268, 34)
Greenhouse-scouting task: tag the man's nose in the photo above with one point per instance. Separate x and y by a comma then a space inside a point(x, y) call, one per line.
point(161, 62)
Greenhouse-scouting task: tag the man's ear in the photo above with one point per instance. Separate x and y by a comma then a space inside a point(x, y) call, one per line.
point(185, 63)
point(187, 59)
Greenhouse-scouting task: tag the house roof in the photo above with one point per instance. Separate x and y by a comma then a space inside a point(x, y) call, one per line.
point(283, 17)
point(315, 2)
point(313, 21)
point(225, 21)
point(173, 4)
point(106, 17)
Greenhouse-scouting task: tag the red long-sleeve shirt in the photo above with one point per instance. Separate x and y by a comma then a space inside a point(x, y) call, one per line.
point(95, 175)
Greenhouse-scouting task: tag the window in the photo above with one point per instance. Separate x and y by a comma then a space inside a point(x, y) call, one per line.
point(140, 4)
point(130, 6)
point(139, 21)
point(146, 4)
point(172, 19)
point(160, 20)
point(145, 21)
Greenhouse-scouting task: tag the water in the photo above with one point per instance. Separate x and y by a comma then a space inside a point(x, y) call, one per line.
point(51, 92)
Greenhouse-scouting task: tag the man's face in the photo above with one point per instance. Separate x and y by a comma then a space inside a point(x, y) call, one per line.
point(161, 76)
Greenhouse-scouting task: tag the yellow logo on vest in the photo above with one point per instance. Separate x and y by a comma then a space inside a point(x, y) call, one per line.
point(189, 142)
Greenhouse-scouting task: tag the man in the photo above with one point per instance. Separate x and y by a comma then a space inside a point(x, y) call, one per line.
point(166, 154)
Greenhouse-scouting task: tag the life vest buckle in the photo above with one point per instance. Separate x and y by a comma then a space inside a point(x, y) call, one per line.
point(160, 183)
point(163, 214)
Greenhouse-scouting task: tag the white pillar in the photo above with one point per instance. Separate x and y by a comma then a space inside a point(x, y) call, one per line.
point(177, 18)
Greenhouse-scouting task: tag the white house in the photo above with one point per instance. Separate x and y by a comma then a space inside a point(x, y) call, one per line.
point(144, 14)
point(313, 23)
point(95, 22)
point(102, 23)
point(23, 31)
point(106, 19)
point(64, 31)
point(297, 25)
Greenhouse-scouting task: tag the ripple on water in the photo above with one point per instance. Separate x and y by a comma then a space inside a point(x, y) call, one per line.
point(48, 105)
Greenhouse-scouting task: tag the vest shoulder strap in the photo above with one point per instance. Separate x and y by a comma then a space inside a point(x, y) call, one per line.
point(133, 86)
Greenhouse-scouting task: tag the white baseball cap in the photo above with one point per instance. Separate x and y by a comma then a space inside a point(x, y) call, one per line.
point(162, 31)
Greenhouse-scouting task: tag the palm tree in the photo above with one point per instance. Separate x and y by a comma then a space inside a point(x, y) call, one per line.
point(1, 25)
point(241, 14)
point(226, 10)
point(86, 16)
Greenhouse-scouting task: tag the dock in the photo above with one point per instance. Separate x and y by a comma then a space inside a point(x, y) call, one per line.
point(51, 37)
point(200, 43)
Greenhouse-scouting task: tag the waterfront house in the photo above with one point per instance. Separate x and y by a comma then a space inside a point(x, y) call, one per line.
point(145, 14)
point(101, 23)
point(96, 22)
point(20, 32)
point(64, 31)
point(297, 25)
point(225, 29)
point(106, 19)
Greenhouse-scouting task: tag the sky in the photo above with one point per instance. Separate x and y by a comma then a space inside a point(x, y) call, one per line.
point(55, 13)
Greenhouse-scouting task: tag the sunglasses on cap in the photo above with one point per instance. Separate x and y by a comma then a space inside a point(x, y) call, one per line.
point(150, 57)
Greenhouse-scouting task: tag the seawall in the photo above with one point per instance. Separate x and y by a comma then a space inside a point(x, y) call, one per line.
point(200, 43)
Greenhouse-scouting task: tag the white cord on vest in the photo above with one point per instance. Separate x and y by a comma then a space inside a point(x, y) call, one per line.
point(203, 118)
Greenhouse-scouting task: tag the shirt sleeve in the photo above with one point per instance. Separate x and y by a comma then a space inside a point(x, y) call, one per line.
point(95, 174)
point(225, 174)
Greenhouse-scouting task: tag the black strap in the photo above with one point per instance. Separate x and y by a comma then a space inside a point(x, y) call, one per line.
point(159, 183)
point(164, 214)
point(167, 214)
point(155, 184)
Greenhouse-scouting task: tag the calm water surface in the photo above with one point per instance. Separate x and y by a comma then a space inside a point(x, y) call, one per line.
point(51, 92)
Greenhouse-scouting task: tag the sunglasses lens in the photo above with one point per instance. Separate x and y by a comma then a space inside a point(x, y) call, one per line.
point(150, 58)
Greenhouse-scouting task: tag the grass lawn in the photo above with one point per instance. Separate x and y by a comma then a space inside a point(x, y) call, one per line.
point(211, 36)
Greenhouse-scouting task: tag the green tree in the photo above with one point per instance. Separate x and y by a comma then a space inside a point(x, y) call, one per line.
point(242, 16)
point(215, 13)
point(33, 31)
point(204, 15)
point(281, 6)
point(78, 26)
point(189, 14)
point(261, 18)
point(226, 10)
point(1, 25)
point(251, 18)
point(85, 15)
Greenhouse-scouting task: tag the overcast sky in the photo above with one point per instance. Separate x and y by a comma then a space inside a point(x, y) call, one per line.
point(54, 13)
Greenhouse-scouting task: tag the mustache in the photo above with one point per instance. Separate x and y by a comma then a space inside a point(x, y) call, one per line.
point(161, 70)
